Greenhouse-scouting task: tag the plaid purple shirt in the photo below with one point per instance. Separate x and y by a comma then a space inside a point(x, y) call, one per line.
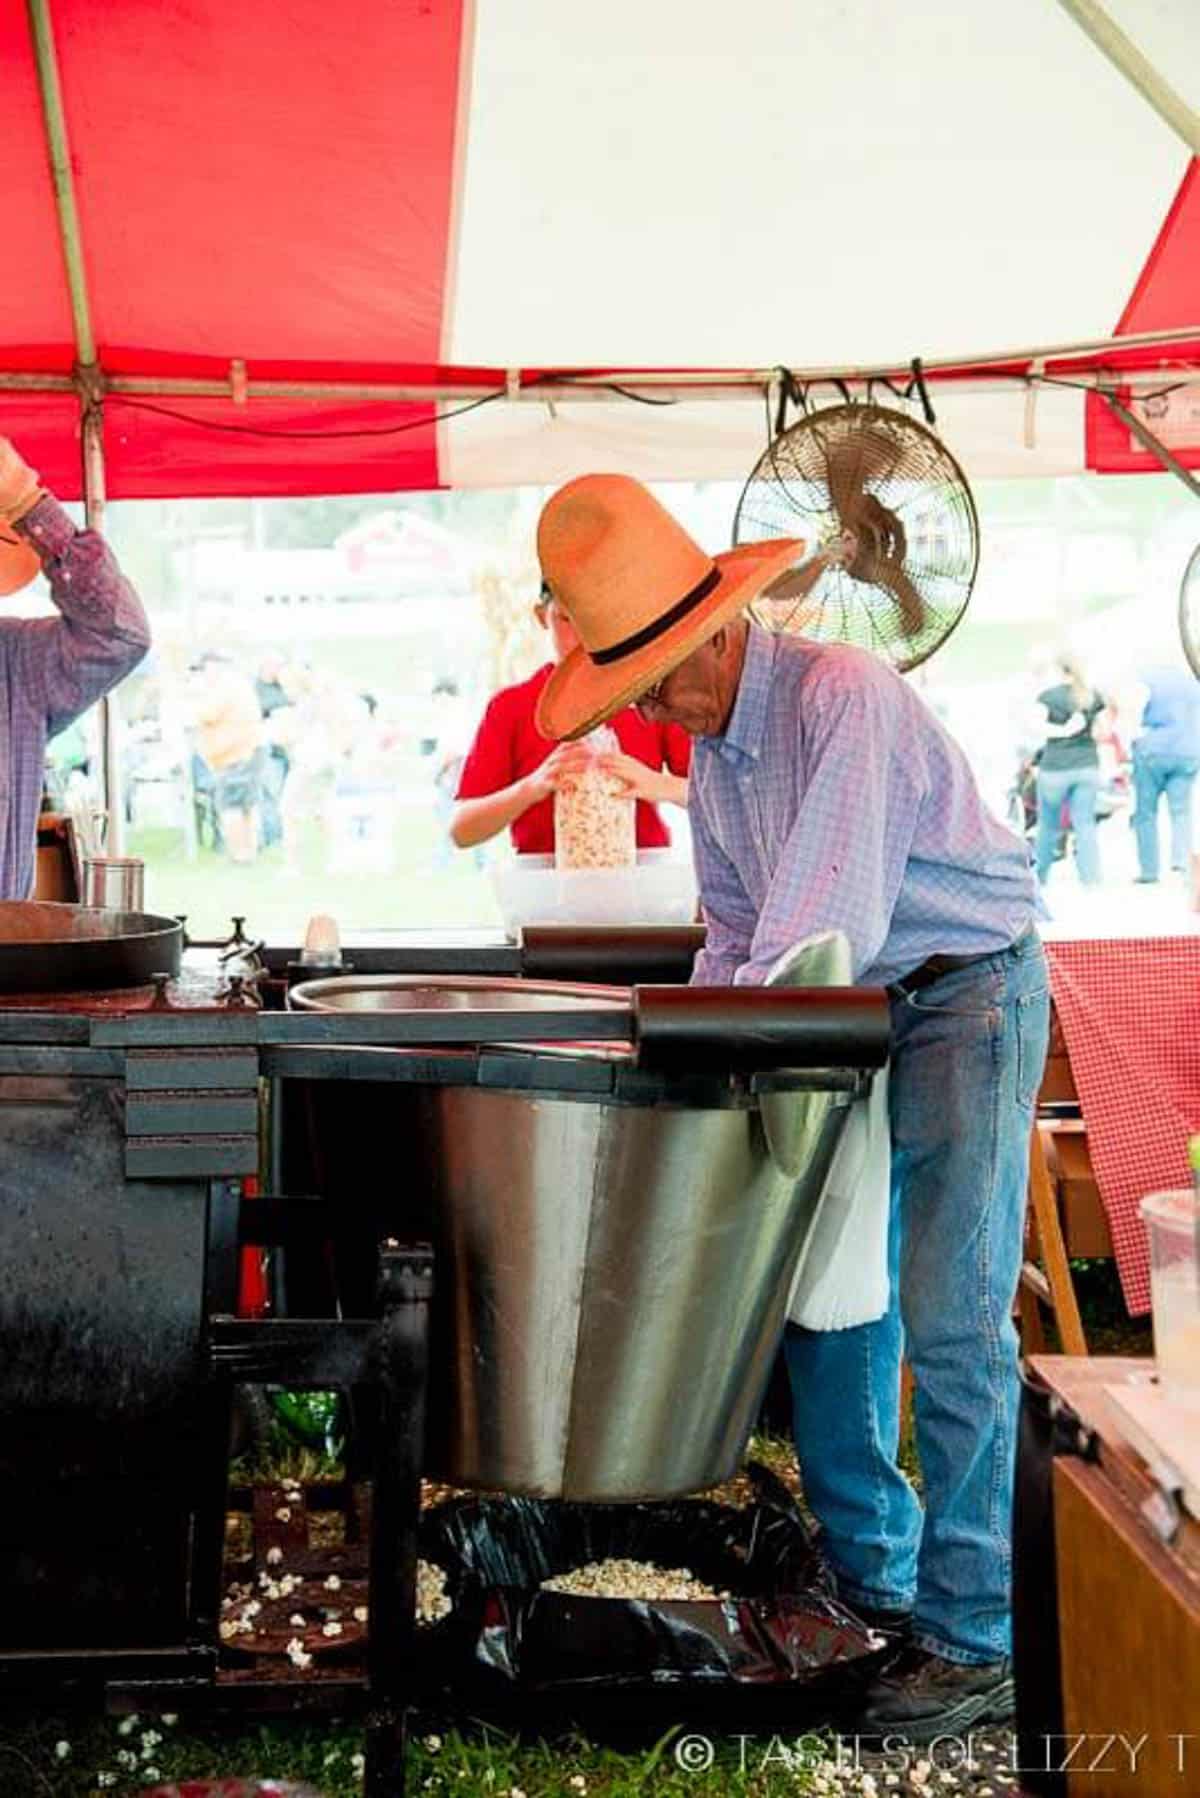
point(52, 669)
point(835, 799)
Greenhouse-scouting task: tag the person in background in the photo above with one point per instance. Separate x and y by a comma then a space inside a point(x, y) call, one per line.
point(51, 669)
point(1068, 771)
point(511, 771)
point(273, 757)
point(452, 724)
point(322, 725)
point(826, 795)
point(1166, 757)
point(228, 726)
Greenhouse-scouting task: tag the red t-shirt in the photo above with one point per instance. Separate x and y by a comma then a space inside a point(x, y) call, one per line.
point(508, 745)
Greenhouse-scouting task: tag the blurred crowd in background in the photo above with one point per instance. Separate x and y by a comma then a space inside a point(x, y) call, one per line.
point(296, 758)
point(320, 668)
point(286, 756)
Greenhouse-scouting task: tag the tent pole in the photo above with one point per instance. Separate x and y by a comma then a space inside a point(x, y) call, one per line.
point(1149, 442)
point(700, 384)
point(86, 381)
point(59, 148)
point(1128, 60)
point(95, 500)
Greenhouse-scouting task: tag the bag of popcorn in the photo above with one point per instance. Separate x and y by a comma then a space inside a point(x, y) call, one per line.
point(595, 823)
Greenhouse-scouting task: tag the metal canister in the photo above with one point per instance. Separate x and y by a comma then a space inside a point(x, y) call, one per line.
point(115, 882)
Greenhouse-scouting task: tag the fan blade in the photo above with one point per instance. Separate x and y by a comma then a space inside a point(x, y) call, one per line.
point(908, 601)
point(844, 466)
point(794, 583)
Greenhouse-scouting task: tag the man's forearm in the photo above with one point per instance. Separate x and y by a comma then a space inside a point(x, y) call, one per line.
point(103, 632)
point(85, 579)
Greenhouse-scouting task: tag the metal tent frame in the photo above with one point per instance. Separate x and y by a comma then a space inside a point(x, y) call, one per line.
point(1092, 364)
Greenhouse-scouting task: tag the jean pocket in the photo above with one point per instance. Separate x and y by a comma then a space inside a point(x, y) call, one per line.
point(1033, 1030)
point(969, 994)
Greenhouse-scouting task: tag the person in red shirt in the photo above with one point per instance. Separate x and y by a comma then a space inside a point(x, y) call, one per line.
point(509, 777)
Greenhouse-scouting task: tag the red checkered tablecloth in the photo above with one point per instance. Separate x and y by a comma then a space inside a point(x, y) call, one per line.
point(1130, 1016)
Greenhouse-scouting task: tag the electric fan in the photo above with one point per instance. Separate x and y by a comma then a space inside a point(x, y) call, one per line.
point(1189, 612)
point(880, 475)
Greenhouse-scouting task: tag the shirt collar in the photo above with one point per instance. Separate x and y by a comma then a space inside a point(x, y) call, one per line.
point(744, 732)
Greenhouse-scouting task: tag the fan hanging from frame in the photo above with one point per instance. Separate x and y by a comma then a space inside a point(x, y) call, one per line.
point(1189, 612)
point(877, 473)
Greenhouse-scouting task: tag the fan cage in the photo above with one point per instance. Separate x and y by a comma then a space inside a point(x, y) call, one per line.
point(906, 491)
point(1189, 612)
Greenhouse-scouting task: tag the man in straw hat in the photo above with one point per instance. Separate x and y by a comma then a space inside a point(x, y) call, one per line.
point(826, 795)
point(51, 669)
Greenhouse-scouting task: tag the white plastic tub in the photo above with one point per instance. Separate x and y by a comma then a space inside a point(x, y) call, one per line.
point(661, 889)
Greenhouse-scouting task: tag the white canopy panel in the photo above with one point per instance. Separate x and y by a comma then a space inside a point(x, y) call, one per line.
point(685, 184)
point(991, 433)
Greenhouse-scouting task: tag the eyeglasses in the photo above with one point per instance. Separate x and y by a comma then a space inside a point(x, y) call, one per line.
point(653, 695)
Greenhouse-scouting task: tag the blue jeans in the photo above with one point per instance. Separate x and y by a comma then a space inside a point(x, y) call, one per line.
point(1154, 775)
point(967, 1058)
point(1079, 787)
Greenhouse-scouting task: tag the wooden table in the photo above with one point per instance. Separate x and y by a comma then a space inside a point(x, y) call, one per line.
point(1128, 1603)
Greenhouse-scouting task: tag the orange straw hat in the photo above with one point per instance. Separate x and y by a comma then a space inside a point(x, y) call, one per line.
point(18, 560)
point(640, 592)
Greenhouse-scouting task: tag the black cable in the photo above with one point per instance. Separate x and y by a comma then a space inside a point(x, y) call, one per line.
point(590, 378)
point(917, 384)
point(847, 398)
point(790, 394)
point(641, 399)
point(1156, 393)
point(216, 424)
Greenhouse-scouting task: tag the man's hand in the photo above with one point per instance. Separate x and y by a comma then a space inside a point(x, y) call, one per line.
point(19, 489)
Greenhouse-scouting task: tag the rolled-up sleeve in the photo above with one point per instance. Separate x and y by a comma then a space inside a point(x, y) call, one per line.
point(102, 633)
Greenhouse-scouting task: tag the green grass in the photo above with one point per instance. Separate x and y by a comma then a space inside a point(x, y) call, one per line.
point(422, 891)
point(473, 1760)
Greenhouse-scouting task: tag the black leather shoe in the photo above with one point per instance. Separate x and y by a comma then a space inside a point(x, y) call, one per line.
point(919, 1695)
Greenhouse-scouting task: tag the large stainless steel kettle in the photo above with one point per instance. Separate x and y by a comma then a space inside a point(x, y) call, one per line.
point(612, 1267)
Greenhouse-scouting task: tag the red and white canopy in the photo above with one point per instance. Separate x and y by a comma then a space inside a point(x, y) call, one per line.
point(482, 201)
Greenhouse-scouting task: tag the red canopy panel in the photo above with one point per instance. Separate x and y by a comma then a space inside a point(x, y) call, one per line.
point(35, 316)
point(277, 186)
point(280, 188)
point(1167, 291)
point(46, 428)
